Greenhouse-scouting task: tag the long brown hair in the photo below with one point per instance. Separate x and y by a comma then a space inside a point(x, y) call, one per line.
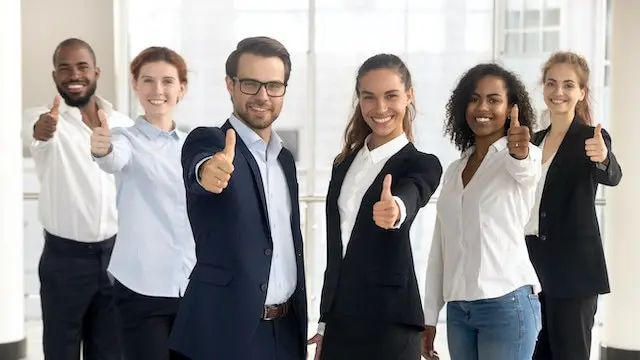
point(581, 67)
point(357, 129)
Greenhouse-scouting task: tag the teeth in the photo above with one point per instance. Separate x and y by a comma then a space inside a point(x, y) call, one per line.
point(157, 102)
point(258, 109)
point(75, 86)
point(557, 101)
point(483, 120)
point(382, 120)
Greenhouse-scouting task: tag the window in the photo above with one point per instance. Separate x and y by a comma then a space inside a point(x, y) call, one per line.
point(531, 27)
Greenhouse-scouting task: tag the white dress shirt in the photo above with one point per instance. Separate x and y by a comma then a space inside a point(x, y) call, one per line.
point(364, 169)
point(533, 226)
point(478, 249)
point(283, 275)
point(155, 251)
point(77, 199)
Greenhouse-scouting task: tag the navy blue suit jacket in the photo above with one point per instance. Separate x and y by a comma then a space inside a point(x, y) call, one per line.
point(223, 303)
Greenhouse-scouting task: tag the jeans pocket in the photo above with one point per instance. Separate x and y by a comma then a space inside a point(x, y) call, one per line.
point(536, 311)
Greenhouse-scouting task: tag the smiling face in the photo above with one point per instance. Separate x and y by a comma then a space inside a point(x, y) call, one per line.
point(383, 102)
point(562, 90)
point(158, 88)
point(75, 75)
point(487, 109)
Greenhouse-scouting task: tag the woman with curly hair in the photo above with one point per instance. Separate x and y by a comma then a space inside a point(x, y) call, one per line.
point(478, 262)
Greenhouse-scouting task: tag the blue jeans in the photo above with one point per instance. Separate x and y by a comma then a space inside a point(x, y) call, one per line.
point(504, 328)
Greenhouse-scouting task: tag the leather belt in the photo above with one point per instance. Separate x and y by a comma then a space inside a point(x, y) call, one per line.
point(273, 312)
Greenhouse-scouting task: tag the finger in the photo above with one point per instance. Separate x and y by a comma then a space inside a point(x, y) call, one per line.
point(230, 144)
point(222, 164)
point(597, 132)
point(386, 189)
point(515, 122)
point(104, 122)
point(55, 108)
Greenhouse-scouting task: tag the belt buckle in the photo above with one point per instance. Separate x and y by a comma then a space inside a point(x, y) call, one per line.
point(265, 311)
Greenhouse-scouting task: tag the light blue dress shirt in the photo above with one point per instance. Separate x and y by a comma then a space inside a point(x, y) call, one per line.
point(154, 251)
point(283, 274)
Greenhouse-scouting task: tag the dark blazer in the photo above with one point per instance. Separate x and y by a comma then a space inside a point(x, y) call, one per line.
point(223, 303)
point(376, 278)
point(568, 254)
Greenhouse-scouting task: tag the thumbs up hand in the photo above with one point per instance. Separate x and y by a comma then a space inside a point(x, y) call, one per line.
point(595, 147)
point(386, 212)
point(101, 137)
point(46, 125)
point(518, 137)
point(216, 172)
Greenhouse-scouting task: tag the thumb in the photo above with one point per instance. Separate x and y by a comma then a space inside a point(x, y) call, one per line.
point(597, 132)
point(386, 188)
point(104, 122)
point(515, 122)
point(230, 144)
point(55, 108)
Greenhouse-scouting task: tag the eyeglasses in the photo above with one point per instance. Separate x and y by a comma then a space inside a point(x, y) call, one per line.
point(252, 87)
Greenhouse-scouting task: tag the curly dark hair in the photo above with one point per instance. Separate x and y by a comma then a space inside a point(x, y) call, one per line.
point(456, 124)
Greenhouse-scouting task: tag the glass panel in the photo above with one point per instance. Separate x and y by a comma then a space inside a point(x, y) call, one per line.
point(482, 5)
point(512, 43)
point(271, 5)
point(425, 5)
point(531, 43)
point(422, 23)
point(513, 19)
point(531, 19)
point(552, 17)
point(479, 32)
point(550, 41)
point(533, 4)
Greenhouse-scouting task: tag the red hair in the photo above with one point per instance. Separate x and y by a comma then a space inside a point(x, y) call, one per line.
point(159, 53)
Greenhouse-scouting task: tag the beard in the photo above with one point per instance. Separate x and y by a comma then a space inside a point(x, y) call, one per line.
point(256, 122)
point(74, 101)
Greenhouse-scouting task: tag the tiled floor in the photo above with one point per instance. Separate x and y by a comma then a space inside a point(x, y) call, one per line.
point(34, 333)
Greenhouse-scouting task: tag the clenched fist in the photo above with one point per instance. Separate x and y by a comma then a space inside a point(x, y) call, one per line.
point(101, 137)
point(595, 147)
point(518, 137)
point(46, 125)
point(215, 173)
point(386, 212)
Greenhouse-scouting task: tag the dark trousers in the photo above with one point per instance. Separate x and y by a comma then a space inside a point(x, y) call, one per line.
point(76, 296)
point(566, 328)
point(277, 339)
point(348, 338)
point(146, 324)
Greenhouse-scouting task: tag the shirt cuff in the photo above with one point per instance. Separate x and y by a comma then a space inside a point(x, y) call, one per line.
point(321, 327)
point(403, 212)
point(431, 317)
point(198, 168)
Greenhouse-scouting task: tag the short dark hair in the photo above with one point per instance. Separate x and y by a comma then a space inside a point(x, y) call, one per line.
point(456, 118)
point(73, 42)
point(261, 46)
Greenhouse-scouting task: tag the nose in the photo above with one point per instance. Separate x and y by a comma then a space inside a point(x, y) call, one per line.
point(482, 106)
point(381, 106)
point(158, 87)
point(262, 93)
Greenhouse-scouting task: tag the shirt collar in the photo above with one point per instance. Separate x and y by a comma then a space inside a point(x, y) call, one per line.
point(498, 146)
point(384, 151)
point(251, 138)
point(152, 131)
point(103, 104)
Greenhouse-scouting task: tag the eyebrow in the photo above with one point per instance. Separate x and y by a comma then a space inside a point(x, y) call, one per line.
point(488, 95)
point(386, 92)
point(151, 77)
point(76, 64)
point(566, 81)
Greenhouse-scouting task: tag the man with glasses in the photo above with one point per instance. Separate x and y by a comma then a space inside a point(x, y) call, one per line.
point(246, 298)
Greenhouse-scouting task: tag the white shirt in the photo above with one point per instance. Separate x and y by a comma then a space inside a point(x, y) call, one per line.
point(77, 199)
point(533, 226)
point(478, 249)
point(364, 169)
point(283, 275)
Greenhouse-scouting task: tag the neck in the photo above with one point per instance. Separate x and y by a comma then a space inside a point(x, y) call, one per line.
point(265, 134)
point(163, 122)
point(560, 122)
point(91, 109)
point(483, 144)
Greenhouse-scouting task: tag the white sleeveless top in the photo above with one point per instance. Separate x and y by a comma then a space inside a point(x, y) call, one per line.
point(532, 227)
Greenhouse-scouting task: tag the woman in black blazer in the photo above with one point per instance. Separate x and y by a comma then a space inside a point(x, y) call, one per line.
point(563, 235)
point(371, 307)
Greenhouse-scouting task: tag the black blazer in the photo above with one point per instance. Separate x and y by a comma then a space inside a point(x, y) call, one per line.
point(223, 303)
point(376, 278)
point(568, 254)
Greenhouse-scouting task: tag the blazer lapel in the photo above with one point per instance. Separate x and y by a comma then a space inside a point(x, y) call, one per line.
point(255, 170)
point(561, 155)
point(333, 216)
point(288, 167)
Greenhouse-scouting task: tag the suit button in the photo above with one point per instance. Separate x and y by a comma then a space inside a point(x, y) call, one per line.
point(543, 237)
point(543, 214)
point(299, 255)
point(263, 287)
point(268, 252)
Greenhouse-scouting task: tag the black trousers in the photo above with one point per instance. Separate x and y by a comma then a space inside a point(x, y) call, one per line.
point(76, 296)
point(277, 339)
point(566, 328)
point(146, 324)
point(348, 338)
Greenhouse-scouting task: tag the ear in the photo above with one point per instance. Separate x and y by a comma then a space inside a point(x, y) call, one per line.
point(410, 96)
point(53, 76)
point(183, 90)
point(583, 94)
point(134, 84)
point(230, 84)
point(98, 72)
